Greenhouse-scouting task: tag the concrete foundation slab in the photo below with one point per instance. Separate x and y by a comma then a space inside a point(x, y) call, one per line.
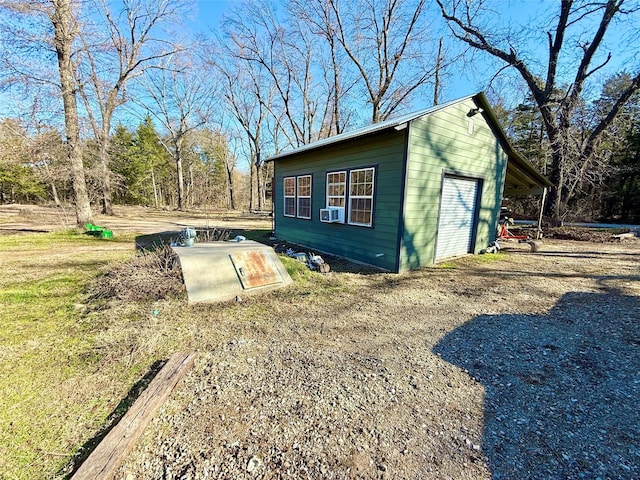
point(220, 271)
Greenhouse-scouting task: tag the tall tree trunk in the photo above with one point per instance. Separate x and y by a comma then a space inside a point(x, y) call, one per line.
point(337, 87)
point(192, 195)
point(375, 111)
point(231, 203)
point(436, 80)
point(107, 202)
point(65, 31)
point(252, 188)
point(54, 190)
point(177, 157)
point(54, 194)
point(260, 188)
point(155, 188)
point(555, 192)
point(556, 174)
point(105, 142)
point(180, 182)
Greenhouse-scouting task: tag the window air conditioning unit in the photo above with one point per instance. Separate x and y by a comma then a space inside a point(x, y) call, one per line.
point(332, 215)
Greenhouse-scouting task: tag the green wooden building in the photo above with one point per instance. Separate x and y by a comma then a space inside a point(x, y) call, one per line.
point(403, 193)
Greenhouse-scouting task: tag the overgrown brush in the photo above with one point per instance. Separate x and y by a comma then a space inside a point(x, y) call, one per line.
point(582, 234)
point(151, 275)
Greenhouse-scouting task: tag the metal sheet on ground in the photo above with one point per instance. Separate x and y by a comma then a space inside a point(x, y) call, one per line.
point(255, 269)
point(210, 275)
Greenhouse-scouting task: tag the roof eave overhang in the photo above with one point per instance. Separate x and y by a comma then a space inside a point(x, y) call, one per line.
point(530, 181)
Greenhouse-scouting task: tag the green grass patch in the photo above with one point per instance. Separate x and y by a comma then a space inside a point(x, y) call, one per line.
point(488, 257)
point(297, 270)
point(446, 266)
point(261, 235)
point(48, 349)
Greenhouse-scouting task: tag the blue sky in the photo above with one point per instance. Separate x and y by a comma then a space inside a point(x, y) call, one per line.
point(208, 14)
point(465, 81)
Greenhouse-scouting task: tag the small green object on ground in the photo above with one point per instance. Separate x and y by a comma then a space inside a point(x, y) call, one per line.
point(98, 231)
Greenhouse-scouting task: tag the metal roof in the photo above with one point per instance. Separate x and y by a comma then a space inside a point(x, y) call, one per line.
point(361, 132)
point(521, 178)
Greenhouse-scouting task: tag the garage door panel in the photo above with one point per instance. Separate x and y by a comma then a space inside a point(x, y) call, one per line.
point(457, 216)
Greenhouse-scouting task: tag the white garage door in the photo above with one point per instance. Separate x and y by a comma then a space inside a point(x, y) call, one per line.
point(457, 216)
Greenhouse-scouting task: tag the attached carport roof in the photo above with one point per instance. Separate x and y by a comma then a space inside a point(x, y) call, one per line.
point(521, 179)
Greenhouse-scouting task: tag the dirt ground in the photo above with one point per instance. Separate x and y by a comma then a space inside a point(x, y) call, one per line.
point(525, 366)
point(21, 218)
point(510, 366)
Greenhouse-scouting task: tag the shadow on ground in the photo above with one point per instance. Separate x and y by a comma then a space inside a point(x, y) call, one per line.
point(562, 389)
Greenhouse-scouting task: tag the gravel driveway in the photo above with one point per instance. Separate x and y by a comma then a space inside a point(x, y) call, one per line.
point(525, 367)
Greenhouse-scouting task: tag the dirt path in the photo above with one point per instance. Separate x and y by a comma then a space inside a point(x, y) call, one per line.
point(525, 366)
point(16, 218)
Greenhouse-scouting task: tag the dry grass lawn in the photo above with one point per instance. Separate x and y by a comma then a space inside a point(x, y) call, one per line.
point(71, 362)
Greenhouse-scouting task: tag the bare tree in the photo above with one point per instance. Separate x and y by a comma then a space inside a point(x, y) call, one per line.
point(436, 75)
point(557, 93)
point(249, 96)
point(113, 61)
point(31, 38)
point(316, 16)
point(287, 55)
point(65, 33)
point(386, 41)
point(47, 149)
point(227, 156)
point(182, 98)
point(215, 168)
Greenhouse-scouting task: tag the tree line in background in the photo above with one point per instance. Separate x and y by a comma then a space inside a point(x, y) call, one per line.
point(152, 116)
point(142, 170)
point(604, 187)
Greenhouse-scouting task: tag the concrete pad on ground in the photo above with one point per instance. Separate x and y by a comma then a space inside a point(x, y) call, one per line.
point(220, 271)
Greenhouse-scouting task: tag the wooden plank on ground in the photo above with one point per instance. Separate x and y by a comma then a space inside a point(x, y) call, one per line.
point(110, 453)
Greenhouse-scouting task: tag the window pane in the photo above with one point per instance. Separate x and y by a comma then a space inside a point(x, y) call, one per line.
point(361, 196)
point(304, 207)
point(289, 187)
point(304, 186)
point(290, 206)
point(361, 211)
point(336, 189)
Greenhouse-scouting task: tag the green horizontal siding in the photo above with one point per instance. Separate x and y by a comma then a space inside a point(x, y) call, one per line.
point(377, 245)
point(440, 144)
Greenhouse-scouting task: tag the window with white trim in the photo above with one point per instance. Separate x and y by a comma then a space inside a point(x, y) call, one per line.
point(361, 196)
point(336, 189)
point(304, 196)
point(289, 186)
